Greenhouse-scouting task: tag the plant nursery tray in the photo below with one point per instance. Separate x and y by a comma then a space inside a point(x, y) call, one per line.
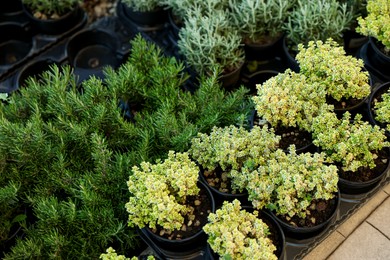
point(59, 49)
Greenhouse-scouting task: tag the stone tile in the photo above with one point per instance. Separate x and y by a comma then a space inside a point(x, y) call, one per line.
point(326, 247)
point(380, 218)
point(360, 215)
point(386, 188)
point(364, 243)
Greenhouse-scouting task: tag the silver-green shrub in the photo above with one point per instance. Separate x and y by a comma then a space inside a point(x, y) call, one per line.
point(142, 5)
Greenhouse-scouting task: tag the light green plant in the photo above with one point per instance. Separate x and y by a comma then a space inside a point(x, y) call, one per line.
point(159, 191)
point(237, 234)
point(51, 7)
point(289, 99)
point(208, 41)
point(382, 109)
point(232, 148)
point(377, 22)
point(112, 255)
point(142, 5)
point(327, 63)
point(259, 21)
point(317, 20)
point(353, 144)
point(288, 183)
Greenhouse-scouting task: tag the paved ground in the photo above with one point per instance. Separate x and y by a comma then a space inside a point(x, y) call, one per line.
point(365, 235)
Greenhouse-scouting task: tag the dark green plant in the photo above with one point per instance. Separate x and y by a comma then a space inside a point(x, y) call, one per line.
point(69, 149)
point(50, 8)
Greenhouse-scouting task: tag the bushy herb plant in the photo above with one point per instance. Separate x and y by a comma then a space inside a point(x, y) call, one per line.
point(259, 21)
point(207, 41)
point(232, 148)
point(312, 20)
point(112, 255)
point(51, 8)
point(381, 110)
point(350, 143)
point(341, 75)
point(159, 192)
point(142, 5)
point(234, 233)
point(289, 99)
point(288, 183)
point(377, 22)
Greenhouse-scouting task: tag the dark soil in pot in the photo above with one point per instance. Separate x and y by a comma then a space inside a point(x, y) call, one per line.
point(291, 135)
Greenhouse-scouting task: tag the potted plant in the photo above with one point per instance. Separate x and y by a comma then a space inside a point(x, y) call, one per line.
point(289, 102)
point(260, 24)
point(299, 189)
point(234, 233)
point(378, 107)
point(376, 25)
point(52, 16)
point(312, 20)
point(207, 41)
point(147, 13)
point(341, 75)
point(359, 149)
point(168, 200)
point(222, 153)
point(112, 255)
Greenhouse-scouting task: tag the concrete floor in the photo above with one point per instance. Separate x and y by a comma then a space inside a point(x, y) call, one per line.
point(365, 235)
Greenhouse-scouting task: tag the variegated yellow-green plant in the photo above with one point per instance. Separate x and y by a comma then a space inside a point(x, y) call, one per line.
point(234, 233)
point(159, 191)
point(377, 22)
point(327, 64)
point(112, 255)
point(352, 143)
point(382, 110)
point(289, 182)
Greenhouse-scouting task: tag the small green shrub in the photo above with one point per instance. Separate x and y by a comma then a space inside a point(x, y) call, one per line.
point(237, 234)
point(377, 22)
point(288, 183)
point(289, 99)
point(51, 8)
point(352, 144)
point(142, 5)
point(341, 75)
point(112, 255)
point(381, 110)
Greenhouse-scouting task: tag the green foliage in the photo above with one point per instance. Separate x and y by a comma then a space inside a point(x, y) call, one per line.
point(381, 110)
point(142, 5)
point(313, 20)
point(289, 182)
point(341, 75)
point(289, 99)
point(69, 149)
point(159, 192)
point(237, 234)
point(50, 7)
point(352, 144)
point(256, 20)
point(377, 22)
point(112, 255)
point(232, 148)
point(207, 41)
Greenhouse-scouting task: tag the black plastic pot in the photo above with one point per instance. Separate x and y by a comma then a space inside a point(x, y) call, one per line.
point(15, 43)
point(353, 41)
point(220, 196)
point(9, 8)
point(90, 50)
point(143, 21)
point(174, 28)
point(353, 187)
point(271, 222)
point(56, 26)
point(33, 69)
point(178, 249)
point(259, 77)
point(266, 51)
point(375, 60)
point(375, 96)
point(229, 80)
point(288, 58)
point(301, 233)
